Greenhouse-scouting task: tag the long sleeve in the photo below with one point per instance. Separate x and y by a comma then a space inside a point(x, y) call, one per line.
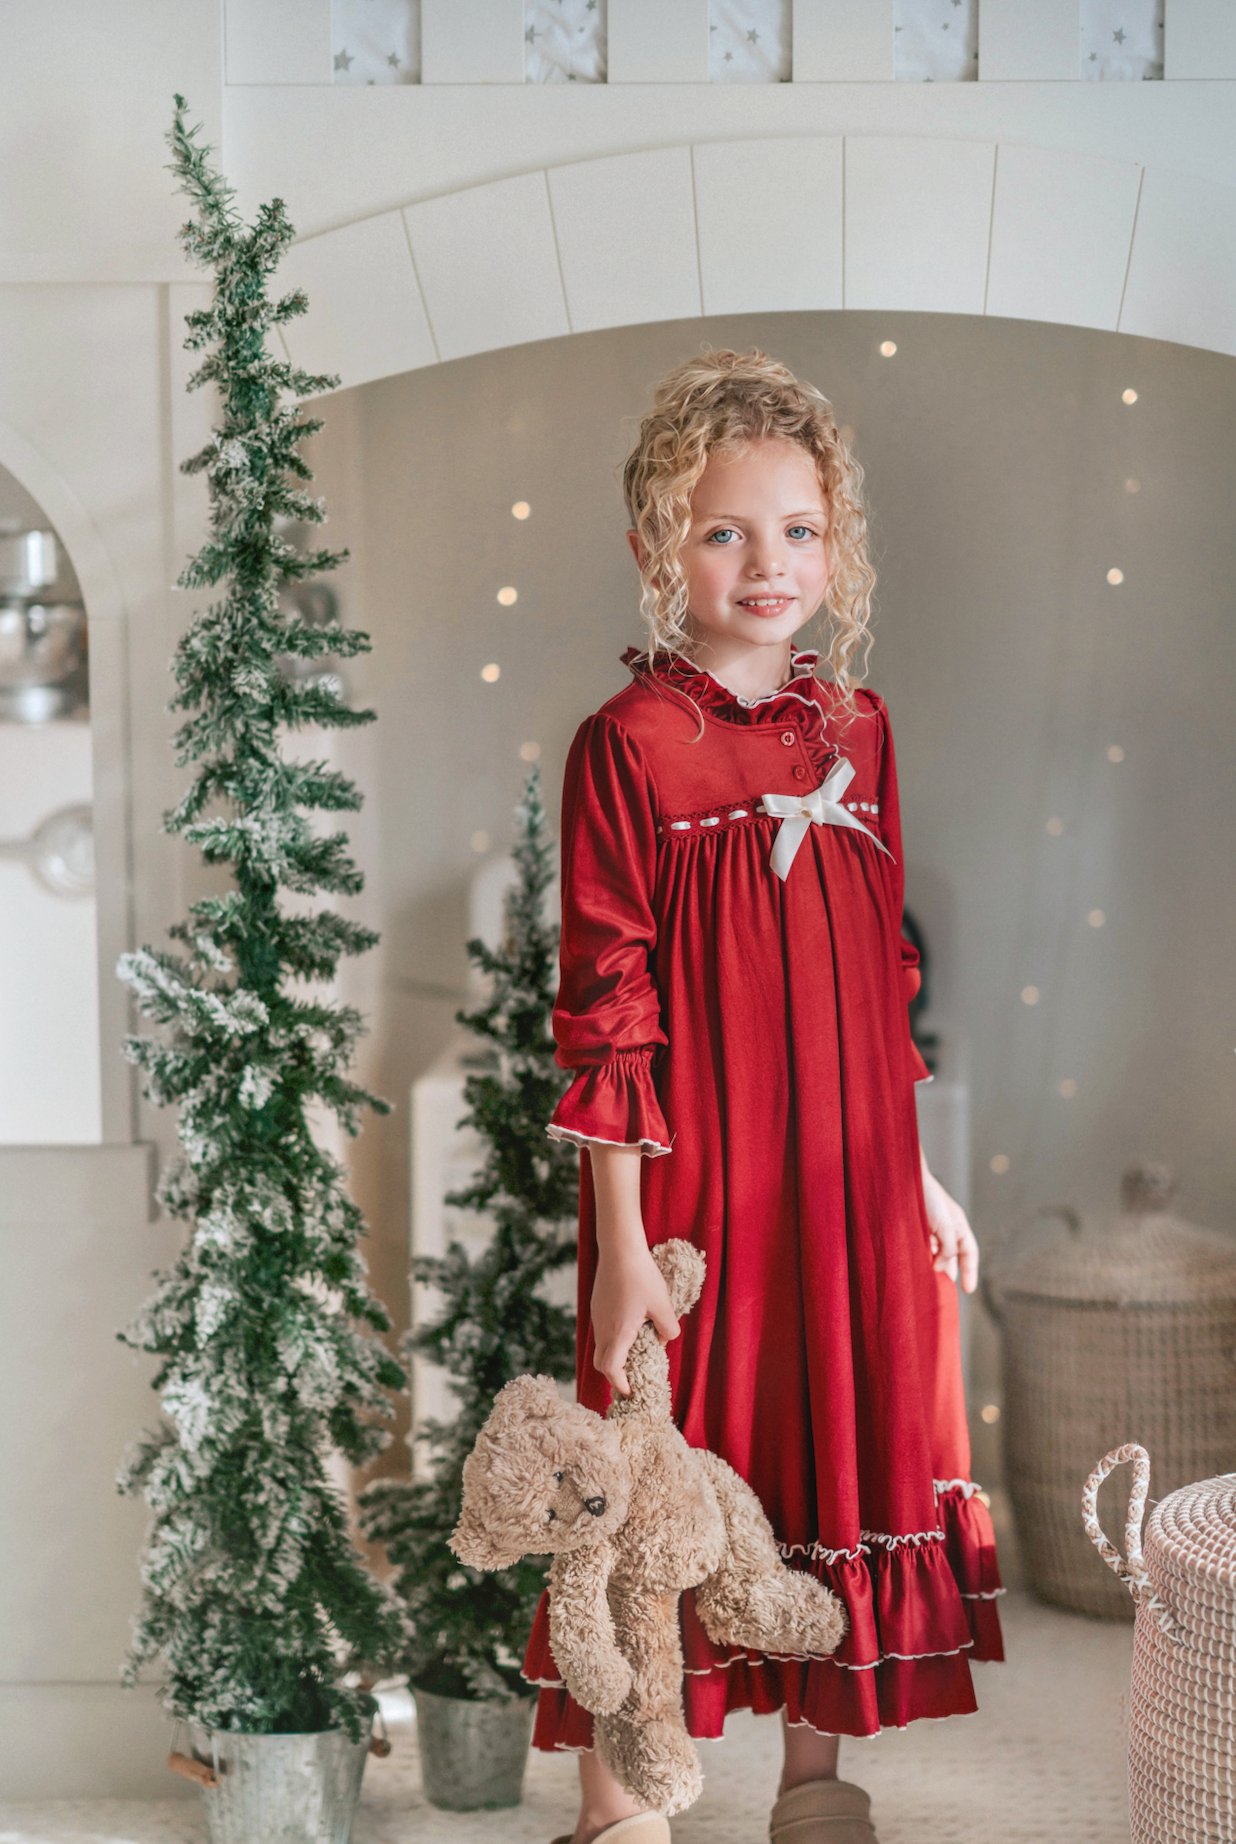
point(607, 1021)
point(890, 819)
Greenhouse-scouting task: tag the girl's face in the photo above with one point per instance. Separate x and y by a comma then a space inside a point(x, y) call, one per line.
point(756, 558)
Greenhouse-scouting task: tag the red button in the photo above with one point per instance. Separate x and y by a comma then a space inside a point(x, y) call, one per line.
point(800, 774)
point(788, 738)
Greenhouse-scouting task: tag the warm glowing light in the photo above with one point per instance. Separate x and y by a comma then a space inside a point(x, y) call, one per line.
point(984, 1498)
point(531, 752)
point(491, 673)
point(990, 1412)
point(1068, 1088)
point(1055, 827)
point(1128, 396)
point(521, 510)
point(888, 347)
point(847, 435)
point(1029, 995)
point(479, 841)
point(1096, 918)
point(1132, 486)
point(508, 596)
point(1115, 753)
point(1000, 1164)
point(1113, 577)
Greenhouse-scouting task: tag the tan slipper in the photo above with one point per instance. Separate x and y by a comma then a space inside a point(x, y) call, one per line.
point(643, 1828)
point(822, 1812)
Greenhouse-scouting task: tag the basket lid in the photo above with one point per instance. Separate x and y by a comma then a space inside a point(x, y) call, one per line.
point(1193, 1531)
point(1145, 1256)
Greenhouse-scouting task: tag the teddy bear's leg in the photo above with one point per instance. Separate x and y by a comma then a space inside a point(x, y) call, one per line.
point(645, 1744)
point(753, 1599)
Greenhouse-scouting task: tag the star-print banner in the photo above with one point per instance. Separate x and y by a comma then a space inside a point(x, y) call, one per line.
point(564, 41)
point(1121, 41)
point(749, 41)
point(376, 41)
point(936, 41)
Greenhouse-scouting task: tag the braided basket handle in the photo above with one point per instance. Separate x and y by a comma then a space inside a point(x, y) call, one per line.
point(1133, 1570)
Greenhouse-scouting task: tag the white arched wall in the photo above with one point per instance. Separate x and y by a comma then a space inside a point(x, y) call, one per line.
point(902, 223)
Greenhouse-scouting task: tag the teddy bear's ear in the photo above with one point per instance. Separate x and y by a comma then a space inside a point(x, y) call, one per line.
point(478, 1546)
point(524, 1398)
point(682, 1266)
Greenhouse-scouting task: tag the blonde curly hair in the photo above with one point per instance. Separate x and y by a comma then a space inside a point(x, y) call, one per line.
point(714, 404)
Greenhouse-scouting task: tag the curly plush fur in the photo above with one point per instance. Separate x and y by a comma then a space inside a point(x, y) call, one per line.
point(632, 1516)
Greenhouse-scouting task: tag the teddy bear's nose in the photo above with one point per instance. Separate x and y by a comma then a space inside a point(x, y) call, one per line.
point(595, 1505)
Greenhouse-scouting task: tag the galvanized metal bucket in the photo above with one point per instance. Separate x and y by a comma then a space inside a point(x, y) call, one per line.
point(281, 1789)
point(473, 1754)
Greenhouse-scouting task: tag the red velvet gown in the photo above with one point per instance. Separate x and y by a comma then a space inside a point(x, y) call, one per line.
point(751, 1034)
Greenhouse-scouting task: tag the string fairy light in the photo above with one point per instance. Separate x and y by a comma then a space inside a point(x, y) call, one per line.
point(508, 596)
point(1115, 577)
point(530, 752)
point(887, 348)
point(491, 673)
point(521, 510)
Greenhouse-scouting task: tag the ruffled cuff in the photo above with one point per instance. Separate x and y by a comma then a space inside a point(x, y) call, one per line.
point(613, 1104)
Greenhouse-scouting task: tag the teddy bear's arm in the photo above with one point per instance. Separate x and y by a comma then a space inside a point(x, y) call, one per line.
point(581, 1630)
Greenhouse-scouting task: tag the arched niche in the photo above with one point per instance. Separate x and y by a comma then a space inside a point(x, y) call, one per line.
point(109, 751)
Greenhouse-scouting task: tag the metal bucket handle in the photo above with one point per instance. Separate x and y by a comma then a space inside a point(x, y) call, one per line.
point(1133, 1571)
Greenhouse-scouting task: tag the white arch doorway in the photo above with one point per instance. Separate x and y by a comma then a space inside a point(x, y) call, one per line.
point(899, 223)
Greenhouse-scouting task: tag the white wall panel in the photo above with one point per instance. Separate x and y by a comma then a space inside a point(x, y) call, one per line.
point(1199, 39)
point(917, 216)
point(1025, 41)
point(481, 41)
point(1061, 229)
point(658, 41)
point(1182, 273)
point(769, 215)
point(488, 265)
point(843, 41)
point(366, 319)
point(626, 236)
point(277, 41)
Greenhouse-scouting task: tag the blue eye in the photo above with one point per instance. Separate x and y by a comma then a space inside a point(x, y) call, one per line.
point(800, 531)
point(723, 536)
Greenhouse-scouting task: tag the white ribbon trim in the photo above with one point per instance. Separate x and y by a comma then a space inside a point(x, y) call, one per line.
point(821, 807)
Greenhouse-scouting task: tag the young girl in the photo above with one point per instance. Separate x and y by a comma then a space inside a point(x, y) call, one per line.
point(734, 991)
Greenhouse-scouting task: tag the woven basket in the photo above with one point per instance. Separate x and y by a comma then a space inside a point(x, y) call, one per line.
point(1121, 1334)
point(1182, 1703)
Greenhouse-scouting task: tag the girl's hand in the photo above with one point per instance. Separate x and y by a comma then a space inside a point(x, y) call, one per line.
point(629, 1289)
point(952, 1239)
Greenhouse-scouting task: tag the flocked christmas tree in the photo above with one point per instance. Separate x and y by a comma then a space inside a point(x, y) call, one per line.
point(265, 1329)
point(469, 1628)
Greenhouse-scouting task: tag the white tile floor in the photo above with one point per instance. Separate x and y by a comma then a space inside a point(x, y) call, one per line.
point(1041, 1763)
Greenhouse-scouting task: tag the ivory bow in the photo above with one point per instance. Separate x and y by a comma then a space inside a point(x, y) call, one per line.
point(799, 812)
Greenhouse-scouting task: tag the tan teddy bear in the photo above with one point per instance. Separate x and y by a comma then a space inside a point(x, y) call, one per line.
point(632, 1516)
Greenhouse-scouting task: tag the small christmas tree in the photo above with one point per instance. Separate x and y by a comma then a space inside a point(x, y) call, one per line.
point(265, 1328)
point(469, 1628)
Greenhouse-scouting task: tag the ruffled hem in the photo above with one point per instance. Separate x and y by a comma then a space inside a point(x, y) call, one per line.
point(613, 1104)
point(920, 1609)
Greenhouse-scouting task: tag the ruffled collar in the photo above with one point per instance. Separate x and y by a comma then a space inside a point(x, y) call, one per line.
point(707, 693)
